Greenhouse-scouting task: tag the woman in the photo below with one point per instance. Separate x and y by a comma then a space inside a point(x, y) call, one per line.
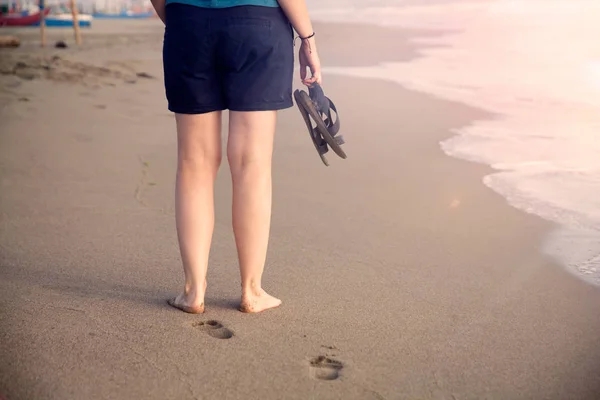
point(235, 55)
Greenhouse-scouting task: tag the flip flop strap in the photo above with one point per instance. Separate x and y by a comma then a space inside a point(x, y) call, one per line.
point(324, 105)
point(332, 127)
point(320, 142)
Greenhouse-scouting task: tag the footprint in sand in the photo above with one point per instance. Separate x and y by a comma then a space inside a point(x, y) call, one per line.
point(144, 75)
point(214, 329)
point(325, 368)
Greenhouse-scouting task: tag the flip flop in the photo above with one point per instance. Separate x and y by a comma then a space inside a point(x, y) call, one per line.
point(317, 106)
point(187, 309)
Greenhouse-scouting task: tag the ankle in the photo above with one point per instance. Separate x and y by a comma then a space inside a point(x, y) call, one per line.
point(192, 289)
point(253, 289)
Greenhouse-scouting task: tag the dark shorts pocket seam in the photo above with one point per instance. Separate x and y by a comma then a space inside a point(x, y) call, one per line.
point(249, 21)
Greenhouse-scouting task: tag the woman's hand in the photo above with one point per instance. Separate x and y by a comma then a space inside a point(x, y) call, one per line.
point(309, 58)
point(297, 13)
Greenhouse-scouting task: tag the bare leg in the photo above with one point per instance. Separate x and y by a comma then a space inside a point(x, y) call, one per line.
point(199, 157)
point(249, 151)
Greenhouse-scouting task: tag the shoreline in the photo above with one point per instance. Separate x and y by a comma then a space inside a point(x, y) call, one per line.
point(530, 176)
point(558, 238)
point(396, 262)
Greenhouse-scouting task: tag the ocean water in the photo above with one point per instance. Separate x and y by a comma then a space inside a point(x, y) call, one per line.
point(536, 65)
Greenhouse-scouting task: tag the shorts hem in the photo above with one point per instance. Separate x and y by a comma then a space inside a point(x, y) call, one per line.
point(257, 107)
point(203, 110)
point(263, 106)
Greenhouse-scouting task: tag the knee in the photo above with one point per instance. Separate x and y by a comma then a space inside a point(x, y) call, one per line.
point(199, 162)
point(243, 160)
point(235, 159)
point(250, 145)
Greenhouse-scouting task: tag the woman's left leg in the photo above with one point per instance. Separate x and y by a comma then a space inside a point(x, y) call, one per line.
point(198, 160)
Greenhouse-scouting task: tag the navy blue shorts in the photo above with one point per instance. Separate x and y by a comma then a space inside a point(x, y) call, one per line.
point(237, 58)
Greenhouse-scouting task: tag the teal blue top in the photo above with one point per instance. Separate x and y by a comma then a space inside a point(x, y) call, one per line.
point(226, 3)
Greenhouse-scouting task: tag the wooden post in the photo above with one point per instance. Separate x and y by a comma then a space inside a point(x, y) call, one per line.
point(43, 22)
point(75, 22)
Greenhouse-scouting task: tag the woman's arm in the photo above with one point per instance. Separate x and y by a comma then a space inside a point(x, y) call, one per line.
point(159, 6)
point(297, 13)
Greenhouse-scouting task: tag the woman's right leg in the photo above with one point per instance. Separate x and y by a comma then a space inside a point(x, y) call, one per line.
point(249, 151)
point(198, 160)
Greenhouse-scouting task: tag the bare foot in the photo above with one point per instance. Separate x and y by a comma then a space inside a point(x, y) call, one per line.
point(197, 309)
point(253, 303)
point(189, 302)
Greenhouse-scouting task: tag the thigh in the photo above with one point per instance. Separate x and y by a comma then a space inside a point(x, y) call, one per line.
point(256, 58)
point(199, 139)
point(251, 136)
point(192, 81)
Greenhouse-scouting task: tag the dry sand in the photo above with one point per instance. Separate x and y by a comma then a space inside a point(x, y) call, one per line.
point(402, 275)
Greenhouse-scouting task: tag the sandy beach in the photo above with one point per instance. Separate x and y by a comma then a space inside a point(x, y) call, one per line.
point(402, 276)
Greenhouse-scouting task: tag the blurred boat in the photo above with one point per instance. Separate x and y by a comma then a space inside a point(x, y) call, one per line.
point(123, 15)
point(66, 20)
point(22, 19)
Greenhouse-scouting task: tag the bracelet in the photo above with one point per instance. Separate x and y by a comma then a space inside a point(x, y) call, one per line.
point(303, 38)
point(306, 38)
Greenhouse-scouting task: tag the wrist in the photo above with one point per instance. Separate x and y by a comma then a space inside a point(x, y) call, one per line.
point(307, 36)
point(306, 40)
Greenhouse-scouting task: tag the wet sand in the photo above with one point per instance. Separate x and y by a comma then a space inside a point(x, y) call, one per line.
point(402, 275)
